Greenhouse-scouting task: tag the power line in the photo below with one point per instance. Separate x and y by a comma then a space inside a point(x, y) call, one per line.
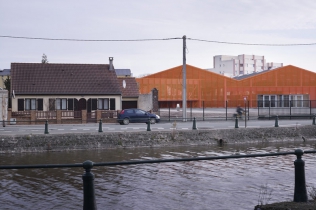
point(89, 40)
point(239, 43)
point(162, 39)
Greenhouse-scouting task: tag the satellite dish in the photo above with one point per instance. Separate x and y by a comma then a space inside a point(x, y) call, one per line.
point(124, 84)
point(13, 94)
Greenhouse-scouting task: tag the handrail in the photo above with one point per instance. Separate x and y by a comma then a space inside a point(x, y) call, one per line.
point(300, 193)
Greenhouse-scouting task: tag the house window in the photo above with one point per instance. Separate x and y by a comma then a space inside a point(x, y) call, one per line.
point(61, 104)
point(103, 103)
point(30, 104)
point(241, 65)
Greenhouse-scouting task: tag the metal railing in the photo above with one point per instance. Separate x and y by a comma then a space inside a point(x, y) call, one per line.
point(89, 200)
point(224, 110)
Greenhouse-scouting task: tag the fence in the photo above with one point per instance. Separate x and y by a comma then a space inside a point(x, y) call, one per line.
point(89, 200)
point(226, 110)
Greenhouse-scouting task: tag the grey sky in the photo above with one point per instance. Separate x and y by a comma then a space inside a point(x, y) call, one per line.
point(242, 21)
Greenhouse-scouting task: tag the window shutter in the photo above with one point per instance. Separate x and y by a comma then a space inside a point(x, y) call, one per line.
point(20, 104)
point(94, 104)
point(51, 104)
point(70, 104)
point(40, 104)
point(112, 103)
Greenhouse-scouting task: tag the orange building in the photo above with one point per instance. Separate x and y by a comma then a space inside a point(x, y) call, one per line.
point(282, 87)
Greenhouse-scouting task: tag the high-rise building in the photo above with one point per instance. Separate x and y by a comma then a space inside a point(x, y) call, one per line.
point(232, 66)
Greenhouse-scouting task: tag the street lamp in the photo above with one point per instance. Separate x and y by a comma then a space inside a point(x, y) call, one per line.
point(245, 100)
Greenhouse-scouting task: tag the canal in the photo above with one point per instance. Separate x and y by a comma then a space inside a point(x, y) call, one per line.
point(216, 184)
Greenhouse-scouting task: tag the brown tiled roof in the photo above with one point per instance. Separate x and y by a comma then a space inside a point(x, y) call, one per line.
point(63, 79)
point(131, 88)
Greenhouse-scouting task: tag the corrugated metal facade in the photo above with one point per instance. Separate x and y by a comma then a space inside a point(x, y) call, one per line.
point(213, 90)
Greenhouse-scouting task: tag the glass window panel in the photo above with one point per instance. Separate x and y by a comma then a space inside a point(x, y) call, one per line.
point(58, 104)
point(64, 103)
point(27, 104)
point(106, 103)
point(33, 104)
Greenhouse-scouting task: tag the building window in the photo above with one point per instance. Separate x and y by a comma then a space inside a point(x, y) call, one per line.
point(61, 104)
point(103, 104)
point(30, 104)
point(282, 101)
point(241, 65)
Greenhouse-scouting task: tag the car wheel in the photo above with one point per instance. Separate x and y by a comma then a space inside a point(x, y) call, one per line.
point(152, 120)
point(126, 121)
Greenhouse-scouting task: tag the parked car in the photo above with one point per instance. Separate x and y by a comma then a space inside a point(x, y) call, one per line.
point(127, 116)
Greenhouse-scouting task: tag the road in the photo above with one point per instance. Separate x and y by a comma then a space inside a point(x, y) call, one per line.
point(132, 127)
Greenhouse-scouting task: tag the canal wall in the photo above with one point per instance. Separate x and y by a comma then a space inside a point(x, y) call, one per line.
point(106, 140)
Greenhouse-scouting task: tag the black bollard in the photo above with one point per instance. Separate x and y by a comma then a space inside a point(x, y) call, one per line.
point(46, 127)
point(3, 123)
point(314, 123)
point(276, 124)
point(236, 123)
point(300, 193)
point(194, 124)
point(88, 187)
point(100, 126)
point(148, 125)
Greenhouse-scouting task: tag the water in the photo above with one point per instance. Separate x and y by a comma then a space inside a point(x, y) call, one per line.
point(220, 184)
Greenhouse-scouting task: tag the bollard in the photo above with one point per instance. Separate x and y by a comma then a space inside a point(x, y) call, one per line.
point(100, 126)
point(194, 124)
point(88, 187)
point(236, 123)
point(276, 124)
point(148, 125)
point(314, 123)
point(46, 127)
point(300, 193)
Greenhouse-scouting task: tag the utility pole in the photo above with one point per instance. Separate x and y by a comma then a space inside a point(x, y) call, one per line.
point(184, 82)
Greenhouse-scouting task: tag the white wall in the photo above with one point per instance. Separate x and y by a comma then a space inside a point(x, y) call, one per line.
point(3, 105)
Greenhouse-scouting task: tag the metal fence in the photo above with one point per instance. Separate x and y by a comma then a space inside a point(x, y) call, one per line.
point(264, 110)
point(89, 200)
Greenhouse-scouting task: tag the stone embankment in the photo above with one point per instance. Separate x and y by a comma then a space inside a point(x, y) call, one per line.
point(64, 142)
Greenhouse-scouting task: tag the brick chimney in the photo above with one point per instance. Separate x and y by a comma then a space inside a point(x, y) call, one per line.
point(111, 64)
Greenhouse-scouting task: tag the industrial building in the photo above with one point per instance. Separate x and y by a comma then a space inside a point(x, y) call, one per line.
point(281, 87)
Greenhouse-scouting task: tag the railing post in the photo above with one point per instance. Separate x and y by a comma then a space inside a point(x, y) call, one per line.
point(314, 123)
point(194, 124)
point(88, 187)
point(46, 127)
point(236, 123)
point(300, 193)
point(226, 108)
point(100, 126)
point(276, 124)
point(203, 110)
point(148, 125)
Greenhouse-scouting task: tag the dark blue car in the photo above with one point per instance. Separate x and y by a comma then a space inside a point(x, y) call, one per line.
point(127, 116)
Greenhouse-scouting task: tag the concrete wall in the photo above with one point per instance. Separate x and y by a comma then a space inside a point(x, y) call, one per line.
point(93, 141)
point(145, 101)
point(3, 105)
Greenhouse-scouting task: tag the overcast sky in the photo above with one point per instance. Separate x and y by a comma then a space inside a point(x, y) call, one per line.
point(237, 21)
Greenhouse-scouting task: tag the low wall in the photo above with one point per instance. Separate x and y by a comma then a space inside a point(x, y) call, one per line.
point(63, 142)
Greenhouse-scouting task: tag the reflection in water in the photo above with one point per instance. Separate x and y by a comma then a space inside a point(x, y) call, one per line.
point(220, 184)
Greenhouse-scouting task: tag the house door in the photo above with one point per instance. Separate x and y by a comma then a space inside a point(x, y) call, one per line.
point(82, 105)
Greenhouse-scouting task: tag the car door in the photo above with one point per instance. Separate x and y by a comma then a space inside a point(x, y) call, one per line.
point(141, 115)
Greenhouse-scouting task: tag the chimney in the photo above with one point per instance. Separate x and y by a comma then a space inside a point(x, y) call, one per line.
point(111, 63)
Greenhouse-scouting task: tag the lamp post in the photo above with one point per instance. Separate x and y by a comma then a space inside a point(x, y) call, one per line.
point(245, 100)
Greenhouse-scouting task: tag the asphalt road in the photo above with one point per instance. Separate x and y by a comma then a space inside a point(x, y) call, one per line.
point(132, 127)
